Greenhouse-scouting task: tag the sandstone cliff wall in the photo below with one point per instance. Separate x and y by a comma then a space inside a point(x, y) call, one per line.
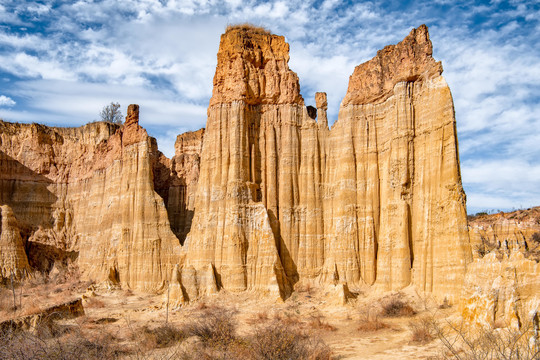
point(267, 195)
point(376, 200)
point(13, 260)
point(90, 191)
point(502, 285)
point(506, 231)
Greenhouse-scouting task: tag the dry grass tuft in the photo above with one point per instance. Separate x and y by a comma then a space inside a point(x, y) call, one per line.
point(247, 27)
point(258, 318)
point(395, 307)
point(422, 330)
point(371, 322)
point(215, 326)
point(277, 341)
point(317, 322)
point(160, 337)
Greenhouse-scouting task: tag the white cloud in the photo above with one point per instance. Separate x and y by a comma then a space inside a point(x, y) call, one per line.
point(6, 101)
point(162, 55)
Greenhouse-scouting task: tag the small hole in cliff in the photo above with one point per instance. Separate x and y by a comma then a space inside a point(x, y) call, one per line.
point(312, 112)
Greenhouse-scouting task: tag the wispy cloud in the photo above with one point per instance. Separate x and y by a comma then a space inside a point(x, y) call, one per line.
point(65, 60)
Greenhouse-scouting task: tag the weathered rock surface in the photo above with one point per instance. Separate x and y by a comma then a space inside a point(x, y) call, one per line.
point(501, 290)
point(13, 260)
point(90, 190)
point(518, 230)
point(377, 199)
point(183, 173)
point(68, 310)
point(502, 285)
point(271, 195)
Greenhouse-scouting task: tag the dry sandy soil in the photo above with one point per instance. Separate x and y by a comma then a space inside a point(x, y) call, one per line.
point(120, 316)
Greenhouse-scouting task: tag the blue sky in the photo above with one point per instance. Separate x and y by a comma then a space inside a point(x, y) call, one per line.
point(62, 61)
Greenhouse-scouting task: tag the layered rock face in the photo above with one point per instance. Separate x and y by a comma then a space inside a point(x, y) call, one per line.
point(502, 285)
point(182, 174)
point(13, 260)
point(89, 191)
point(267, 195)
point(501, 290)
point(376, 200)
point(517, 230)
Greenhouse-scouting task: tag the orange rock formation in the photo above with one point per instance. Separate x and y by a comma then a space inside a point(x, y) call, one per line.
point(271, 196)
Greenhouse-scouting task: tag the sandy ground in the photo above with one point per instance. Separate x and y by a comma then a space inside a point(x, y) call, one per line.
point(122, 313)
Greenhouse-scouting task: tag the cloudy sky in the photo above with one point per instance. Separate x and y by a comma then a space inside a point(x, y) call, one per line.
point(62, 61)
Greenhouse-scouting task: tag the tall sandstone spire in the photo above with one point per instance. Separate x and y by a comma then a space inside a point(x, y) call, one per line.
point(281, 198)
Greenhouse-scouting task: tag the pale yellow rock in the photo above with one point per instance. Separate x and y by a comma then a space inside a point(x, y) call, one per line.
point(91, 190)
point(13, 260)
point(174, 296)
point(338, 294)
point(501, 291)
point(376, 200)
point(268, 193)
point(506, 231)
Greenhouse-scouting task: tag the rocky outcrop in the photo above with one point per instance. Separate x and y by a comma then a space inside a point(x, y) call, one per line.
point(502, 286)
point(501, 290)
point(44, 318)
point(13, 260)
point(90, 190)
point(183, 174)
point(376, 200)
point(516, 230)
point(396, 215)
point(267, 195)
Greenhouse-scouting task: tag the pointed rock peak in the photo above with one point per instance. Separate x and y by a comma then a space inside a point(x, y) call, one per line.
point(320, 100)
point(253, 67)
point(132, 114)
point(409, 60)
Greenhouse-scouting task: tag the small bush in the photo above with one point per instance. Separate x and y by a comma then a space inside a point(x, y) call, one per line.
point(536, 237)
point(316, 322)
point(23, 345)
point(369, 321)
point(422, 331)
point(160, 337)
point(215, 327)
point(277, 341)
point(258, 318)
point(397, 308)
point(488, 343)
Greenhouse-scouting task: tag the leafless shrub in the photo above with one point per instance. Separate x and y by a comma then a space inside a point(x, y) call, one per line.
point(370, 321)
point(277, 341)
point(160, 337)
point(536, 237)
point(396, 307)
point(75, 344)
point(215, 326)
point(488, 343)
point(422, 330)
